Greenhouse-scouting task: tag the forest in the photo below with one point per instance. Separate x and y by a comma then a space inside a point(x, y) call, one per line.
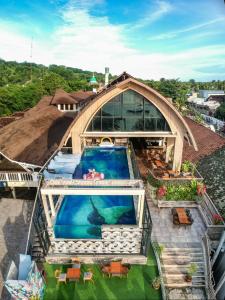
point(23, 84)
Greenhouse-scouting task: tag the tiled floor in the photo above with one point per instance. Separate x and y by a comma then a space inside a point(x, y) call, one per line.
point(14, 222)
point(164, 231)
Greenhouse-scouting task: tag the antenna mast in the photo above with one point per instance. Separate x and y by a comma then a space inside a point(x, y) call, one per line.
point(31, 55)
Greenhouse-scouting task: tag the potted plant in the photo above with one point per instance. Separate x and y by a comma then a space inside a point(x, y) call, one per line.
point(200, 191)
point(161, 192)
point(185, 167)
point(217, 219)
point(192, 269)
point(156, 283)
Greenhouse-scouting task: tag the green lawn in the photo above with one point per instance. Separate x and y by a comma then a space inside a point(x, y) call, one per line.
point(136, 287)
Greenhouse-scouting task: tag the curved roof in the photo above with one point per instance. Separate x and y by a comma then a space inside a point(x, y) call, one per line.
point(122, 83)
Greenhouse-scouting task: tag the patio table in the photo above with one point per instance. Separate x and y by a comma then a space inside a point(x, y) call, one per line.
point(182, 216)
point(115, 268)
point(73, 274)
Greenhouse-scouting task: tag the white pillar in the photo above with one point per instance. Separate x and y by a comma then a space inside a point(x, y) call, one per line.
point(178, 151)
point(169, 147)
point(13, 192)
point(51, 205)
point(141, 200)
point(221, 282)
point(45, 204)
point(222, 241)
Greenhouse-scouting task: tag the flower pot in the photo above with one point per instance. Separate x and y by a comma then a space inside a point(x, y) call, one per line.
point(188, 278)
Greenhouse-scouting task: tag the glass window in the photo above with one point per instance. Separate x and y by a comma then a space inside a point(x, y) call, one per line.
point(107, 124)
point(119, 124)
point(108, 109)
point(128, 111)
point(96, 124)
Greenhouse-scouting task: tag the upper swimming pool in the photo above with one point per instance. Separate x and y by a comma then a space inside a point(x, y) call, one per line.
point(112, 162)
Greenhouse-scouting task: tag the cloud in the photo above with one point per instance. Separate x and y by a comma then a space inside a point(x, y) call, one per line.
point(92, 42)
point(162, 8)
point(173, 34)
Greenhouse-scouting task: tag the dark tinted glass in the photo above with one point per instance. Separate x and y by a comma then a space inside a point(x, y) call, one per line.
point(128, 111)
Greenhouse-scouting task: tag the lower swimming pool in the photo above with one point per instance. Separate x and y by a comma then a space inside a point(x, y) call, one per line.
point(81, 217)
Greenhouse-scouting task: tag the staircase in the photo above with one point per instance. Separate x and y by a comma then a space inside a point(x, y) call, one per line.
point(175, 260)
point(37, 252)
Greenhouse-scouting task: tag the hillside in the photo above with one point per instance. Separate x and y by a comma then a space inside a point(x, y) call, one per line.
point(23, 84)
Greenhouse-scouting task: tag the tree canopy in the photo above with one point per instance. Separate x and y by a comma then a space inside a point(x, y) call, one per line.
point(23, 84)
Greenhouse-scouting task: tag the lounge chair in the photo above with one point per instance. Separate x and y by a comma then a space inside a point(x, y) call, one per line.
point(61, 277)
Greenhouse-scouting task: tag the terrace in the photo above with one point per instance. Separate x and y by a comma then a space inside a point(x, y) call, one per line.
point(137, 285)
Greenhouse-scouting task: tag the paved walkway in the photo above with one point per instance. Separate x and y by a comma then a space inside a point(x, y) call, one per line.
point(165, 232)
point(14, 222)
point(178, 237)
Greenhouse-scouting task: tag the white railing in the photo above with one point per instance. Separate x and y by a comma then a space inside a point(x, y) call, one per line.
point(211, 295)
point(18, 177)
point(105, 182)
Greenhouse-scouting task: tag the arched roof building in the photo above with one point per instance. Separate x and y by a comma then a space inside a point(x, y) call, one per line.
point(127, 108)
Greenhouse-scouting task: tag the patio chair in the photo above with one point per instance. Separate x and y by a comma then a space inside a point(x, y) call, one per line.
point(173, 211)
point(61, 277)
point(190, 219)
point(188, 212)
point(105, 271)
point(88, 276)
point(76, 263)
point(176, 220)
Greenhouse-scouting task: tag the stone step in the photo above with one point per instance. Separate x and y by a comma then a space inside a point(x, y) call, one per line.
point(181, 262)
point(180, 270)
point(186, 265)
point(183, 285)
point(181, 256)
point(182, 249)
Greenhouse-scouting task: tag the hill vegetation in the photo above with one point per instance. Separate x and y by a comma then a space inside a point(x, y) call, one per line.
point(23, 84)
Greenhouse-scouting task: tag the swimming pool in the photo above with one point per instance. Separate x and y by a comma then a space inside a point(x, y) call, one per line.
point(112, 162)
point(81, 217)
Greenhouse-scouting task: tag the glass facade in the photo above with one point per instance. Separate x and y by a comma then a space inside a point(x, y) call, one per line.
point(129, 111)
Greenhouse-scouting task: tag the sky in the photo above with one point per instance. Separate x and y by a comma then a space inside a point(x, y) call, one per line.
point(150, 39)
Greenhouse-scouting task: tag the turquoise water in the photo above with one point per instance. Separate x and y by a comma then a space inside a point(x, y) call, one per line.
point(81, 217)
point(112, 162)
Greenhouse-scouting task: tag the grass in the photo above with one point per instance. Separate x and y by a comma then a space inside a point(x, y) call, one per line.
point(137, 286)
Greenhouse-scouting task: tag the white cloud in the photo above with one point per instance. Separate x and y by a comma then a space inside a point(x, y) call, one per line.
point(162, 8)
point(90, 42)
point(173, 34)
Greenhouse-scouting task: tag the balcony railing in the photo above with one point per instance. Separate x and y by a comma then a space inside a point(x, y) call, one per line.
point(18, 177)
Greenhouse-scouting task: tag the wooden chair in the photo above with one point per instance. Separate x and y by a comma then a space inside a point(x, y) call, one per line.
point(61, 277)
point(105, 270)
point(88, 276)
point(76, 263)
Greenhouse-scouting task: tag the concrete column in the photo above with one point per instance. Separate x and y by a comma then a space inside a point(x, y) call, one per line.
point(13, 192)
point(45, 204)
point(141, 199)
point(169, 147)
point(222, 241)
point(76, 143)
point(51, 205)
point(178, 151)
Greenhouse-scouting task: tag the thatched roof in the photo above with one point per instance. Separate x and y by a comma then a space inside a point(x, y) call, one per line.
point(207, 141)
point(33, 138)
point(62, 97)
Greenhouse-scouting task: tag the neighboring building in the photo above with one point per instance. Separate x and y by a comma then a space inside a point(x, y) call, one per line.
point(207, 93)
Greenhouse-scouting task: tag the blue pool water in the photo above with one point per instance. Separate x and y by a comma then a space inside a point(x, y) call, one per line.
point(81, 217)
point(110, 161)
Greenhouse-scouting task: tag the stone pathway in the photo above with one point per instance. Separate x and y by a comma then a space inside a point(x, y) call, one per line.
point(14, 222)
point(180, 243)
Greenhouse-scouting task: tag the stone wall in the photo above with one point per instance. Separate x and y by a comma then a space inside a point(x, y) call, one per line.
point(115, 240)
